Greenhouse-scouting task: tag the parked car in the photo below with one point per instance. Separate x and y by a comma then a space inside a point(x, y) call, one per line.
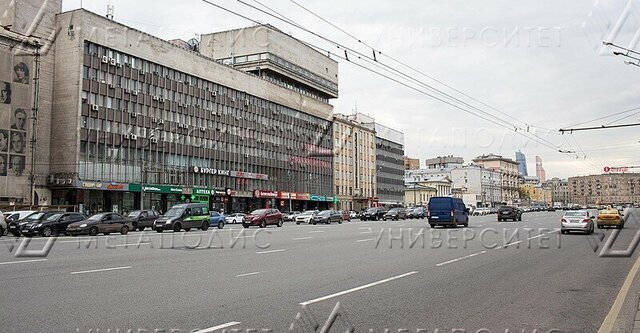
point(395, 214)
point(291, 216)
point(417, 213)
point(353, 214)
point(610, 218)
point(346, 216)
point(577, 220)
point(105, 223)
point(141, 219)
point(184, 216)
point(326, 217)
point(15, 216)
point(447, 212)
point(3, 224)
point(263, 218)
point(52, 225)
point(216, 219)
point(15, 225)
point(509, 213)
point(373, 214)
point(306, 216)
point(234, 218)
point(551, 209)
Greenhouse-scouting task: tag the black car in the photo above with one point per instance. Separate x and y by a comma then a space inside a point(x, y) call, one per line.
point(16, 226)
point(51, 226)
point(141, 219)
point(326, 217)
point(105, 223)
point(509, 213)
point(395, 214)
point(417, 213)
point(373, 214)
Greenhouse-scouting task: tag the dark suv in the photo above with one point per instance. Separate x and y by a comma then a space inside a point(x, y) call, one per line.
point(143, 218)
point(373, 214)
point(509, 213)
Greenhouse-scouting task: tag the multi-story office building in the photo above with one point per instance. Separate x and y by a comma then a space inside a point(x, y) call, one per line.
point(444, 162)
point(411, 163)
point(510, 176)
point(354, 163)
point(522, 164)
point(389, 161)
point(480, 187)
point(605, 189)
point(137, 120)
point(26, 67)
point(559, 190)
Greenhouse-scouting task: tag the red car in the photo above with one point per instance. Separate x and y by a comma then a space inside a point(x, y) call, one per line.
point(262, 218)
point(346, 216)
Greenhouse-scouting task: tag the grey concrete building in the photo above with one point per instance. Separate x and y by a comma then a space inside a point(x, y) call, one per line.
point(137, 120)
point(444, 162)
point(26, 81)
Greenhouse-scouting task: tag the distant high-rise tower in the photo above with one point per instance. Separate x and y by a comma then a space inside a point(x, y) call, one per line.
point(540, 170)
point(522, 164)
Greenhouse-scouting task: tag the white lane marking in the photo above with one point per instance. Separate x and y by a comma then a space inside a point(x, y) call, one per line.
point(131, 245)
point(101, 270)
point(365, 240)
point(366, 232)
point(357, 288)
point(316, 232)
point(249, 274)
point(609, 320)
point(461, 258)
point(22, 262)
point(271, 251)
point(323, 227)
point(219, 327)
point(303, 238)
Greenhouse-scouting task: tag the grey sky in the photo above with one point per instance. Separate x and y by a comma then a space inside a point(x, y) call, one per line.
point(538, 61)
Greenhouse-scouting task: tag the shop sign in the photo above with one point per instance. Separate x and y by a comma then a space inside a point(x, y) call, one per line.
point(229, 173)
point(317, 198)
point(162, 189)
point(265, 194)
point(113, 186)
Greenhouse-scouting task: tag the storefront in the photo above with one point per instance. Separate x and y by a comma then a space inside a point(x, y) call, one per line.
point(290, 201)
point(95, 197)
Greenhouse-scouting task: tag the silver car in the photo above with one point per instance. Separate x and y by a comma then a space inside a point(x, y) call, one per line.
point(578, 220)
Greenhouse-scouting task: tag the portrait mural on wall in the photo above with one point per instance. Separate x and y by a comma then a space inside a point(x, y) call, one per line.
point(15, 100)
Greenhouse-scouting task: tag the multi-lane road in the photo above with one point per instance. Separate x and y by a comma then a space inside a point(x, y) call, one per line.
point(398, 276)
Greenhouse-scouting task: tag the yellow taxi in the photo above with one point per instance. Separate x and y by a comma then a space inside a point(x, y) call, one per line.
point(610, 218)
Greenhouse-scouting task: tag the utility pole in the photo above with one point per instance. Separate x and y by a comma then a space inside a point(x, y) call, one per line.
point(34, 125)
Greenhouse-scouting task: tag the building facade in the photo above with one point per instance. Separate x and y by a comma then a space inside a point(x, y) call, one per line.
point(605, 189)
point(26, 67)
point(142, 122)
point(389, 161)
point(559, 190)
point(444, 162)
point(480, 187)
point(411, 163)
point(510, 177)
point(354, 163)
point(418, 195)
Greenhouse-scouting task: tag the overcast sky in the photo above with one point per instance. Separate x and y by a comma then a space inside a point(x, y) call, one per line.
point(539, 62)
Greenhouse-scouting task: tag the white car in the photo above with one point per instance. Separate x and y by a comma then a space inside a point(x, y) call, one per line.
point(353, 214)
point(481, 212)
point(234, 218)
point(306, 216)
point(17, 215)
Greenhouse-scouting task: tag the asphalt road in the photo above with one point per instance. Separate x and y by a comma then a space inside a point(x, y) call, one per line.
point(398, 276)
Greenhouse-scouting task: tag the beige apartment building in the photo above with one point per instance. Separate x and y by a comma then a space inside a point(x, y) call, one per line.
point(411, 163)
point(508, 168)
point(354, 163)
point(605, 189)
